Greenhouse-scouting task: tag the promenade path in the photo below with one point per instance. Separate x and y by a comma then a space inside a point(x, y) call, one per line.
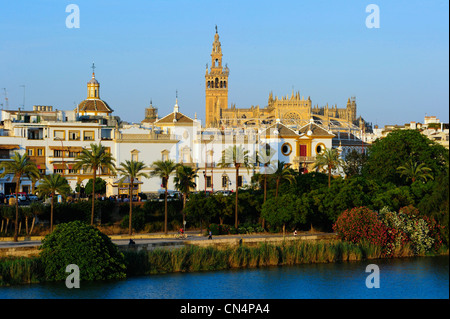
point(25, 247)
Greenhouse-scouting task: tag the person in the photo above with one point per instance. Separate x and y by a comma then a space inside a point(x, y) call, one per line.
point(295, 232)
point(210, 235)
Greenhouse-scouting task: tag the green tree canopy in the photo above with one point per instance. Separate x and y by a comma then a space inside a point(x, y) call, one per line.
point(50, 186)
point(97, 257)
point(399, 147)
point(100, 186)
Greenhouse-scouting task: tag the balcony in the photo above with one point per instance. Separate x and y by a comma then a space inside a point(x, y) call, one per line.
point(304, 159)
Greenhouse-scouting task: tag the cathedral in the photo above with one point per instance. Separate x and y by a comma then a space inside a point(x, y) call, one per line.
point(292, 110)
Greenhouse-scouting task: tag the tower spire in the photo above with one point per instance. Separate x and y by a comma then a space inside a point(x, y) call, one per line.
point(176, 107)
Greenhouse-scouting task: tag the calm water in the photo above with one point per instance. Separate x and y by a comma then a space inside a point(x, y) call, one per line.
point(424, 278)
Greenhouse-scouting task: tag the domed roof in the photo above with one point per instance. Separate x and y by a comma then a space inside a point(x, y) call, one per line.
point(93, 81)
point(94, 105)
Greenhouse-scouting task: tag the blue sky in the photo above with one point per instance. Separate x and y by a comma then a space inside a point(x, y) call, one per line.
point(148, 50)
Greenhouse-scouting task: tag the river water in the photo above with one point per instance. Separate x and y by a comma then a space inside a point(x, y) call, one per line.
point(406, 278)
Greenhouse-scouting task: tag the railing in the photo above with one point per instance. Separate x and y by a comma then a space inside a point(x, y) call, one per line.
point(304, 159)
point(152, 136)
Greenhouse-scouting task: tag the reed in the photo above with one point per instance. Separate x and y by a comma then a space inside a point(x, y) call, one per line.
point(20, 271)
point(194, 258)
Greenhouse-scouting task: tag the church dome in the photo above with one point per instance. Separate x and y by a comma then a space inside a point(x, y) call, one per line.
point(94, 105)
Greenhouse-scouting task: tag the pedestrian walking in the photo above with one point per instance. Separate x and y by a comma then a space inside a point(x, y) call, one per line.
point(210, 235)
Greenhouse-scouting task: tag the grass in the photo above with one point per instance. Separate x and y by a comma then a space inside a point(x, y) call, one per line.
point(20, 270)
point(194, 258)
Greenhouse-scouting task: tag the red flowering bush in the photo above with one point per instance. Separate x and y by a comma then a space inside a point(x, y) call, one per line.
point(362, 224)
point(389, 230)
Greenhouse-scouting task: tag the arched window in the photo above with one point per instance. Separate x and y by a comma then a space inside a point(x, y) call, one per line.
point(224, 84)
point(209, 84)
point(217, 83)
point(221, 84)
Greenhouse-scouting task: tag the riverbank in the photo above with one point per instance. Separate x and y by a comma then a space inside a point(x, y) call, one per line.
point(194, 258)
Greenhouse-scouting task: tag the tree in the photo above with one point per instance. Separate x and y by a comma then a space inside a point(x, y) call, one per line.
point(238, 157)
point(264, 156)
point(50, 186)
point(415, 171)
point(96, 158)
point(283, 172)
point(328, 160)
point(399, 147)
point(282, 210)
point(97, 257)
point(354, 163)
point(163, 170)
point(184, 182)
point(197, 208)
point(20, 167)
point(100, 186)
point(131, 170)
point(220, 206)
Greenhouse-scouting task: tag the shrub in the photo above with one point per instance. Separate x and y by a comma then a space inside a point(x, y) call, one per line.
point(408, 226)
point(78, 243)
point(362, 224)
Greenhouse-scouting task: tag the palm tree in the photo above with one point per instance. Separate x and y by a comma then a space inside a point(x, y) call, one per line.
point(163, 169)
point(50, 185)
point(19, 166)
point(283, 172)
point(93, 159)
point(238, 157)
point(184, 182)
point(131, 170)
point(264, 156)
point(330, 160)
point(415, 171)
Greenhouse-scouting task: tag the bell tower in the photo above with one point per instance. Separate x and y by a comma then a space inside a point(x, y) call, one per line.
point(216, 85)
point(93, 86)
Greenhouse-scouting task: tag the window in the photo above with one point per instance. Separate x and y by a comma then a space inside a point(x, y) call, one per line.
point(73, 154)
point(74, 135)
point(239, 181)
point(58, 171)
point(88, 135)
point(224, 181)
point(40, 152)
point(30, 152)
point(73, 171)
point(58, 153)
point(320, 148)
point(208, 181)
point(59, 135)
point(286, 149)
point(165, 155)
